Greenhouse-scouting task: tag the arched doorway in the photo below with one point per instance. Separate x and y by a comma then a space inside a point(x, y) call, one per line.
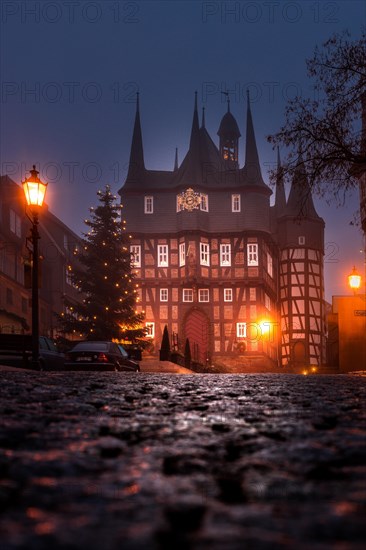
point(299, 352)
point(196, 328)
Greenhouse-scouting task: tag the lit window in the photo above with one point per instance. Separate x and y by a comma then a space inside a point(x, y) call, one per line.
point(269, 265)
point(252, 251)
point(187, 295)
point(228, 294)
point(15, 223)
point(204, 254)
point(135, 251)
point(204, 202)
point(150, 330)
point(163, 294)
point(163, 255)
point(203, 295)
point(241, 330)
point(182, 254)
point(235, 203)
point(225, 254)
point(149, 205)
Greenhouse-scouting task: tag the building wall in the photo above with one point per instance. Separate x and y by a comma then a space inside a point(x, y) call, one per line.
point(349, 315)
point(56, 247)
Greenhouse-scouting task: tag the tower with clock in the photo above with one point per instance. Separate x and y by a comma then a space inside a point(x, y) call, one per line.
point(213, 258)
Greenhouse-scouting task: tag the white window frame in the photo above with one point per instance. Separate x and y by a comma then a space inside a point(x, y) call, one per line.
point(225, 255)
point(163, 255)
point(164, 295)
point(204, 254)
point(187, 295)
point(228, 294)
point(150, 333)
point(252, 254)
point(180, 206)
point(182, 254)
point(203, 295)
point(269, 264)
point(241, 330)
point(204, 202)
point(68, 277)
point(235, 202)
point(135, 251)
point(149, 204)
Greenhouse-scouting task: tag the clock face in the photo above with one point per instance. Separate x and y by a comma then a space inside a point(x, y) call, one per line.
point(189, 199)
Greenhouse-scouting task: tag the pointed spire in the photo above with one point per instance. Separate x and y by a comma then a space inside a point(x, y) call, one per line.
point(195, 125)
point(251, 152)
point(137, 163)
point(176, 160)
point(280, 201)
point(203, 125)
point(300, 201)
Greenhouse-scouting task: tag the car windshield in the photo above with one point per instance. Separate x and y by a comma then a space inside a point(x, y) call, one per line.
point(91, 346)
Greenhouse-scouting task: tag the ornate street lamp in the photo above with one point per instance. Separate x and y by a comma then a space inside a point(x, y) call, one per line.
point(34, 191)
point(354, 280)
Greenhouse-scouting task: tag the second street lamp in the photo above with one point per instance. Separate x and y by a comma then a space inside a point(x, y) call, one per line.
point(34, 191)
point(354, 280)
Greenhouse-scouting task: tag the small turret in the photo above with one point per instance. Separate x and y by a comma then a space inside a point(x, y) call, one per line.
point(229, 135)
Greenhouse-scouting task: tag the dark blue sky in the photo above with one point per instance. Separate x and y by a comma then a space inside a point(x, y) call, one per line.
point(70, 71)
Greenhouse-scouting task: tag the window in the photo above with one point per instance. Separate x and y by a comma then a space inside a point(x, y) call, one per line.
point(24, 305)
point(163, 255)
point(228, 294)
point(135, 251)
point(149, 205)
point(68, 277)
point(9, 296)
point(252, 251)
point(225, 254)
point(269, 265)
point(267, 302)
point(180, 205)
point(203, 295)
point(66, 242)
point(187, 295)
point(204, 254)
point(235, 203)
point(204, 202)
point(163, 294)
point(241, 330)
point(302, 240)
point(182, 254)
point(150, 330)
point(15, 223)
point(252, 294)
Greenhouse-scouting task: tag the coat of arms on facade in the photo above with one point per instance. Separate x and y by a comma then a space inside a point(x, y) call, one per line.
point(189, 200)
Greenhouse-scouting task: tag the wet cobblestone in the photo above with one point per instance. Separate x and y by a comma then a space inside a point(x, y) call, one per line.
point(152, 461)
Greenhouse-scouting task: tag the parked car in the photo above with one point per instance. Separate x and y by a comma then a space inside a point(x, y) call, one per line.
point(16, 351)
point(89, 355)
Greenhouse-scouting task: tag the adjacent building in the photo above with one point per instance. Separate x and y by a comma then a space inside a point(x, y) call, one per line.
point(58, 245)
point(216, 263)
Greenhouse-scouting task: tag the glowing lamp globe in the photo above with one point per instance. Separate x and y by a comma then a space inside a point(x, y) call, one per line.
point(354, 280)
point(34, 189)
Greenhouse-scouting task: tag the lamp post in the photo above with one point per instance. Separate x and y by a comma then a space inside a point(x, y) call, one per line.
point(354, 280)
point(34, 191)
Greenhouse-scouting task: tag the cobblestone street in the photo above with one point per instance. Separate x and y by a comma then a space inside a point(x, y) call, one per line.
point(113, 461)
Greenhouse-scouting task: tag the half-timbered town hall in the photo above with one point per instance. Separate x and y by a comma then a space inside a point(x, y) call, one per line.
point(216, 263)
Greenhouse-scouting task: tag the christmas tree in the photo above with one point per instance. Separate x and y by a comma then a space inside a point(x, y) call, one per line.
point(105, 279)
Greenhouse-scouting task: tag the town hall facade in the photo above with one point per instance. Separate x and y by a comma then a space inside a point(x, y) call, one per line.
point(216, 263)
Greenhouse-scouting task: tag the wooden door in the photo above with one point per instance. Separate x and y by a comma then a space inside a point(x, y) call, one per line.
point(196, 330)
